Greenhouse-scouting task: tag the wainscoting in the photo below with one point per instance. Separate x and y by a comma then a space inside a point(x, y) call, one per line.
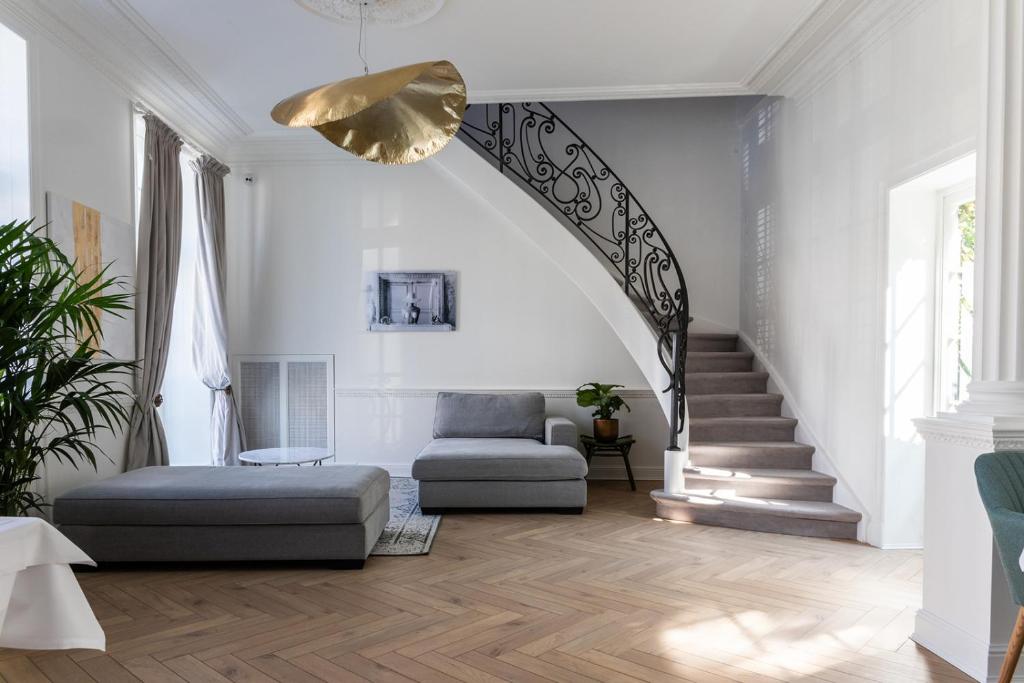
point(388, 427)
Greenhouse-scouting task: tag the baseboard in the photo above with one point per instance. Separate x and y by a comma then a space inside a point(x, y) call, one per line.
point(643, 473)
point(901, 546)
point(973, 656)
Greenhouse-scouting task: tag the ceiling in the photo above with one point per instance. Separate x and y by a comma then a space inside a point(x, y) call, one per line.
point(250, 54)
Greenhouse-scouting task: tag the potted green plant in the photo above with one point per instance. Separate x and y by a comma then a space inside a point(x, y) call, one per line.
point(606, 403)
point(57, 390)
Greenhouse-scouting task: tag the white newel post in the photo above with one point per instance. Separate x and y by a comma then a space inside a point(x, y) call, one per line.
point(967, 613)
point(677, 461)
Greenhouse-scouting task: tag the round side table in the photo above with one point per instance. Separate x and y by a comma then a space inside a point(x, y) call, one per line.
point(285, 456)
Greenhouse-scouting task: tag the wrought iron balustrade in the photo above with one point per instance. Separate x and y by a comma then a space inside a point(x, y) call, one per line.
point(529, 143)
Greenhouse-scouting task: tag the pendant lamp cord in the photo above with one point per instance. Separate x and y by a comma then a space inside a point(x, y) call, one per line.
point(362, 36)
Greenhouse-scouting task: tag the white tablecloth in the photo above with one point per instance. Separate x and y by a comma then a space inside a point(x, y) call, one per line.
point(42, 606)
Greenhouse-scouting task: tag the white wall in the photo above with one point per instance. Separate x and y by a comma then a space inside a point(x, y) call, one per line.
point(299, 239)
point(80, 148)
point(680, 158)
point(900, 99)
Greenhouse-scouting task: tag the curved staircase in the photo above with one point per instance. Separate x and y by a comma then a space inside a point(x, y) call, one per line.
point(746, 470)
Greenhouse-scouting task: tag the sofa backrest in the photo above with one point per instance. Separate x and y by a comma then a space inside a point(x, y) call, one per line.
point(489, 416)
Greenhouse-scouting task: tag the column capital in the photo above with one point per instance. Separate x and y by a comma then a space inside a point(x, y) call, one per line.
point(980, 433)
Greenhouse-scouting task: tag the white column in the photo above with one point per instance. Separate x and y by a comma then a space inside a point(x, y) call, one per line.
point(967, 613)
point(998, 383)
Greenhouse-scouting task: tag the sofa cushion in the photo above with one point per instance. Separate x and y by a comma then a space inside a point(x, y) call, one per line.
point(497, 460)
point(489, 416)
point(338, 494)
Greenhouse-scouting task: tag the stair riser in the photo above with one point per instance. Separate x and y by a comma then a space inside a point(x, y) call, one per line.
point(743, 432)
point(735, 458)
point(705, 514)
point(749, 488)
point(753, 405)
point(738, 383)
point(719, 364)
point(696, 344)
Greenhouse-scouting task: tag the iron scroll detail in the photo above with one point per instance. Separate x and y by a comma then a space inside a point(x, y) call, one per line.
point(534, 147)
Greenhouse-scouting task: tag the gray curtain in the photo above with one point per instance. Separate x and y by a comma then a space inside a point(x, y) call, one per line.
point(209, 323)
point(157, 277)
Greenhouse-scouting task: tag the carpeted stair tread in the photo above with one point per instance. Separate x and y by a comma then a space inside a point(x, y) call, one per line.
point(771, 515)
point(734, 405)
point(810, 477)
point(752, 454)
point(716, 336)
point(710, 341)
point(788, 484)
point(776, 419)
point(802, 509)
point(703, 383)
point(719, 361)
point(770, 428)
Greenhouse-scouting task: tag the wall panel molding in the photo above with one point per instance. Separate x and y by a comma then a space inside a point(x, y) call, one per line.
point(432, 392)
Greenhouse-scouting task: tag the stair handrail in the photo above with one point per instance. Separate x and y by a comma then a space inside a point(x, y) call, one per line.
point(576, 183)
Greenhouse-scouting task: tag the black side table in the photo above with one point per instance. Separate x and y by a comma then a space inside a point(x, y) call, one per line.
point(619, 447)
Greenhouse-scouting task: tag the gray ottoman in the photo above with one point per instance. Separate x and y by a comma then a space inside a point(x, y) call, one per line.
point(211, 514)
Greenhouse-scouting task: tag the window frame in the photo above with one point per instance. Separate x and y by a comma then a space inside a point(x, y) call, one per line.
point(947, 261)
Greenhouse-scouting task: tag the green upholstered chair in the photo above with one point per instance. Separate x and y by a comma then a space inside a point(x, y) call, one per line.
point(1001, 485)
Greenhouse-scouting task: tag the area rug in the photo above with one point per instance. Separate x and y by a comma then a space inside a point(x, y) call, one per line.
point(409, 532)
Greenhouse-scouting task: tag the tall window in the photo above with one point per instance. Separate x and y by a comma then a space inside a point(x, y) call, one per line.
point(956, 296)
point(15, 197)
point(187, 402)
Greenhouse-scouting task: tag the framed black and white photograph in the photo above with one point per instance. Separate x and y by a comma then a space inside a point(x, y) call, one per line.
point(410, 301)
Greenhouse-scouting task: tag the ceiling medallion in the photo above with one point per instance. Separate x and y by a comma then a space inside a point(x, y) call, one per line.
point(388, 12)
point(399, 116)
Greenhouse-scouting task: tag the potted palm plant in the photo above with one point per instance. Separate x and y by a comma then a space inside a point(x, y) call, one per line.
point(57, 390)
point(606, 403)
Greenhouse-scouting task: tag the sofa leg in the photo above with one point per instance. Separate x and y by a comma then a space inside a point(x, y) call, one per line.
point(570, 511)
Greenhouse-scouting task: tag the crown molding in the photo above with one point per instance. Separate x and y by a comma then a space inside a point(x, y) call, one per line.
point(809, 34)
point(288, 146)
point(613, 92)
point(113, 38)
point(116, 39)
point(830, 40)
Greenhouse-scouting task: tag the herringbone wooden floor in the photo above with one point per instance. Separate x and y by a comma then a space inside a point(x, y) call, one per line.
point(612, 595)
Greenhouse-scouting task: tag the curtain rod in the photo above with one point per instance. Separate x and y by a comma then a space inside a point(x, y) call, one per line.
point(196, 148)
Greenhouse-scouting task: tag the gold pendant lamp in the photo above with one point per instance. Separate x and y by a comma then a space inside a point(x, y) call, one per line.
point(399, 116)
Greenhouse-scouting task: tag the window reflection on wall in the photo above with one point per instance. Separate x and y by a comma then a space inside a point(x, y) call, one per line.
point(15, 194)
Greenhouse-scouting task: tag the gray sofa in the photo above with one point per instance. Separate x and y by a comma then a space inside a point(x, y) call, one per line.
point(499, 451)
point(213, 514)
